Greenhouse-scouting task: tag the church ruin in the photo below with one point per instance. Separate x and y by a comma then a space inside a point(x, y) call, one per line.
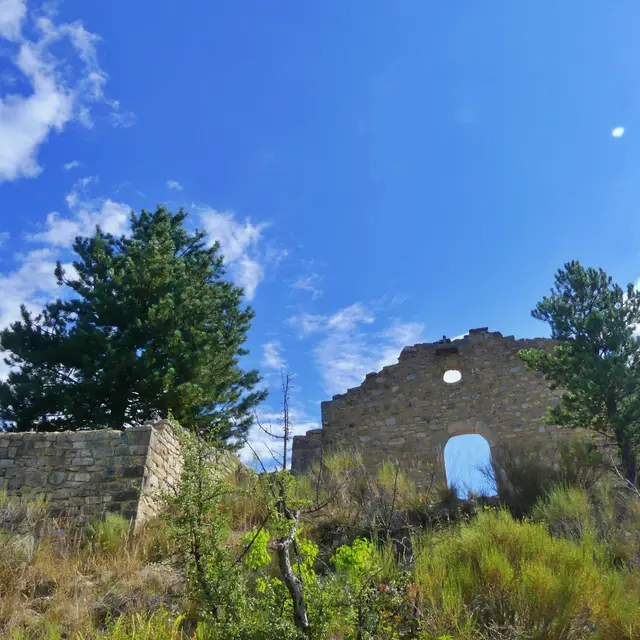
point(408, 411)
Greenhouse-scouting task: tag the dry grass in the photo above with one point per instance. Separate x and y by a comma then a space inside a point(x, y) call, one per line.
point(56, 584)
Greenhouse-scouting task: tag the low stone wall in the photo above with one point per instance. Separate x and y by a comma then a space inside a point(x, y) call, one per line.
point(87, 473)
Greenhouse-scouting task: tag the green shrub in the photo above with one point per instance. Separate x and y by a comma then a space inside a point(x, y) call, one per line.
point(500, 574)
point(566, 511)
point(523, 478)
point(354, 561)
point(108, 533)
point(159, 625)
point(157, 539)
point(43, 631)
point(257, 556)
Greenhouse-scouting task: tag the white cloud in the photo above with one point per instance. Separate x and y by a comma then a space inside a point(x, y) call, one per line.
point(308, 283)
point(112, 217)
point(249, 274)
point(74, 164)
point(239, 243)
point(120, 119)
point(307, 323)
point(346, 352)
point(33, 281)
point(618, 132)
point(636, 328)
point(12, 13)
point(350, 317)
point(85, 215)
point(63, 88)
point(235, 238)
point(273, 256)
point(33, 284)
point(174, 184)
point(398, 336)
point(271, 356)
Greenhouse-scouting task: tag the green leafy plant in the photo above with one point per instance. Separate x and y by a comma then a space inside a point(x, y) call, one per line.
point(108, 533)
point(200, 526)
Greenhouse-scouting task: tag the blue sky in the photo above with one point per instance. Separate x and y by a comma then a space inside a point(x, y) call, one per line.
point(378, 173)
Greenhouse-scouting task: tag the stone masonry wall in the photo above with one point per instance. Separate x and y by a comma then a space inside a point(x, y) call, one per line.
point(407, 412)
point(87, 473)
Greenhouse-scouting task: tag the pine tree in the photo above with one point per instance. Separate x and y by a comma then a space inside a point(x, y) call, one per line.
point(148, 326)
point(597, 360)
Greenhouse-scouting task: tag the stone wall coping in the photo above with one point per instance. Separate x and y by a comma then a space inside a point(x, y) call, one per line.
point(84, 433)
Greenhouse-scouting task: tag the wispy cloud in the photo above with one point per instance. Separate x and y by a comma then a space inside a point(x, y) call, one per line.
point(273, 255)
point(240, 246)
point(272, 357)
point(174, 184)
point(32, 283)
point(309, 283)
point(84, 215)
point(65, 85)
point(4, 237)
point(12, 14)
point(79, 189)
point(74, 164)
point(348, 348)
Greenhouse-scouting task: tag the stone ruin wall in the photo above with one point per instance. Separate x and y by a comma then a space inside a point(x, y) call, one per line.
point(407, 412)
point(80, 474)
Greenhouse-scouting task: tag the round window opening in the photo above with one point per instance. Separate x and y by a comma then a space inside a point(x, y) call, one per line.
point(451, 376)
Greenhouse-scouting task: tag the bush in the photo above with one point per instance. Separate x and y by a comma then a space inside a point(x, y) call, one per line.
point(108, 533)
point(566, 512)
point(523, 478)
point(498, 575)
point(159, 625)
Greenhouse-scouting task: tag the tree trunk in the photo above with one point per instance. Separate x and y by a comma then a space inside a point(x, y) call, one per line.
point(292, 582)
point(629, 462)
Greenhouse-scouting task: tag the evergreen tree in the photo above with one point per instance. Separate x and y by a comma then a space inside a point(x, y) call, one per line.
point(597, 359)
point(149, 327)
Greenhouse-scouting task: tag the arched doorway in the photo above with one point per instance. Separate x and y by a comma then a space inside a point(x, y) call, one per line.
point(467, 460)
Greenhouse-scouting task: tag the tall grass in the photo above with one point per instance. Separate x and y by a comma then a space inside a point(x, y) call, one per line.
point(503, 576)
point(56, 588)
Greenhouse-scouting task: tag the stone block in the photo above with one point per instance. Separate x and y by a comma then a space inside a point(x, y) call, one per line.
point(57, 477)
point(133, 472)
point(82, 462)
point(80, 477)
point(35, 478)
point(124, 496)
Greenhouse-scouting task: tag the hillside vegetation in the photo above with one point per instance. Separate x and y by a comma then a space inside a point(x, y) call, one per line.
point(376, 557)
